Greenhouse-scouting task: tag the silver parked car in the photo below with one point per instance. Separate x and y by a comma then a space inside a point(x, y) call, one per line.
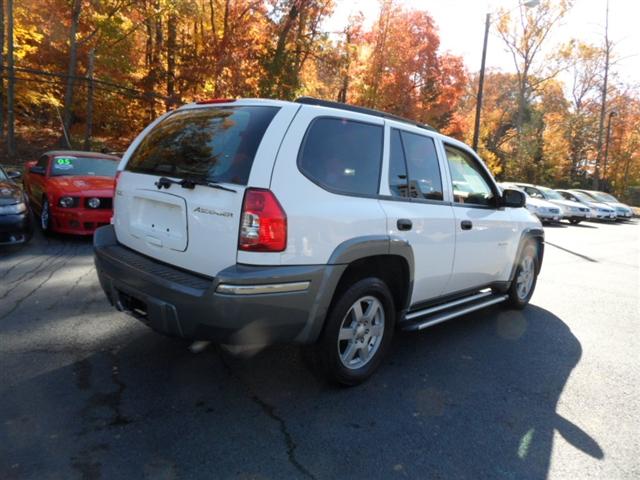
point(573, 211)
point(600, 211)
point(623, 211)
point(547, 212)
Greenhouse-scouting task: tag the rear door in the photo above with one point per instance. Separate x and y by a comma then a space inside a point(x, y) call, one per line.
point(486, 238)
point(196, 226)
point(413, 199)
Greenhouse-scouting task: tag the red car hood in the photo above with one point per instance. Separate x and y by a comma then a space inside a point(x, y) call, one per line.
point(82, 185)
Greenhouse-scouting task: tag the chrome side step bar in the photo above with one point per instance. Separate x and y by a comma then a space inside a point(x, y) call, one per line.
point(446, 306)
point(443, 317)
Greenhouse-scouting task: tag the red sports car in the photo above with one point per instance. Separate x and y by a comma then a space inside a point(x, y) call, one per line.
point(71, 192)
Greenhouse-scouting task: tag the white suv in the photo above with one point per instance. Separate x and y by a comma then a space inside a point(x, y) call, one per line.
point(309, 222)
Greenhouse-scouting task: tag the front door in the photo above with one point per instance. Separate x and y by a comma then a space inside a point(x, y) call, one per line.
point(486, 239)
point(413, 201)
point(36, 182)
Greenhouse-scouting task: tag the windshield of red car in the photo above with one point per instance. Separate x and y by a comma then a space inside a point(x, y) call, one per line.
point(71, 165)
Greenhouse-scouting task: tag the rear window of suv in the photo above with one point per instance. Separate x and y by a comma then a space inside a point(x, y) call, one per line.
point(213, 144)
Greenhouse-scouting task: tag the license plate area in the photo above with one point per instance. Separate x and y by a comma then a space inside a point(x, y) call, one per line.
point(159, 219)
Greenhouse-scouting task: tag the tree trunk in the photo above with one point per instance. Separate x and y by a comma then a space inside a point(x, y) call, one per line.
point(221, 51)
point(89, 121)
point(171, 60)
point(12, 79)
point(603, 103)
point(1, 68)
point(275, 66)
point(73, 60)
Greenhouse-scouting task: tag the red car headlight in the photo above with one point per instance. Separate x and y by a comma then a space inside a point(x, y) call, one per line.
point(68, 202)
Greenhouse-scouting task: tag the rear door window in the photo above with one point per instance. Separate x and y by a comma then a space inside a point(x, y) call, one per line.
point(413, 167)
point(342, 155)
point(214, 144)
point(422, 162)
point(398, 178)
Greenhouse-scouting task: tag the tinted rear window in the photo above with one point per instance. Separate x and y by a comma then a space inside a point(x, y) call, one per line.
point(343, 155)
point(215, 144)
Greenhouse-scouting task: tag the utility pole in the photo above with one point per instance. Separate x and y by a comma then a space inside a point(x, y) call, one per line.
point(487, 26)
point(612, 113)
point(603, 104)
point(11, 147)
point(476, 125)
point(90, 88)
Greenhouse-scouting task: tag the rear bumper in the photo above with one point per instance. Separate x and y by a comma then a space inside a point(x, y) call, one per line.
point(183, 304)
point(15, 229)
point(79, 221)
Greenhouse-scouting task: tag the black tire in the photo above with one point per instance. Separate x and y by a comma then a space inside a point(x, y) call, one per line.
point(574, 221)
point(326, 355)
point(517, 299)
point(45, 217)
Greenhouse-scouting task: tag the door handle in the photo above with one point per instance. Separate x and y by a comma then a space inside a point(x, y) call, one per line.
point(404, 224)
point(466, 225)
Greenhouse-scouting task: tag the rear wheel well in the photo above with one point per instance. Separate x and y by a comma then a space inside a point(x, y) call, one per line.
point(393, 270)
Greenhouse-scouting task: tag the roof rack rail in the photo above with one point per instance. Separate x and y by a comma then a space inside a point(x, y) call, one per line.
point(354, 108)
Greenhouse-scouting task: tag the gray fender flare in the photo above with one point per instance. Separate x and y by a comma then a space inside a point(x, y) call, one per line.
point(346, 253)
point(373, 245)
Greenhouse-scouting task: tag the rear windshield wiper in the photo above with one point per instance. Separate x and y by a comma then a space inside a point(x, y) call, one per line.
point(190, 183)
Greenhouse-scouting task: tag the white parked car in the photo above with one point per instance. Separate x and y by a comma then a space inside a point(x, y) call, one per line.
point(309, 222)
point(600, 211)
point(547, 212)
point(574, 212)
point(623, 212)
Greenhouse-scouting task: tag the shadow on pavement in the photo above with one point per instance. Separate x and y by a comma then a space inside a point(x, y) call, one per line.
point(473, 398)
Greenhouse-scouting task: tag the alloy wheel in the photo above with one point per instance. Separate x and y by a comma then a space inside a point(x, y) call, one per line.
point(524, 282)
point(361, 332)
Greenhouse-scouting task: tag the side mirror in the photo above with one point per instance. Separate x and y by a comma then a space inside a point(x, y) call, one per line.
point(37, 170)
point(513, 198)
point(14, 174)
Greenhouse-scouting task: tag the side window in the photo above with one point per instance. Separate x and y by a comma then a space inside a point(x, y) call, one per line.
point(343, 155)
point(398, 181)
point(469, 183)
point(533, 192)
point(415, 155)
point(43, 161)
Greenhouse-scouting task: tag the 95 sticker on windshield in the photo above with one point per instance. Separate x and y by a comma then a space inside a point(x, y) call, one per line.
point(64, 163)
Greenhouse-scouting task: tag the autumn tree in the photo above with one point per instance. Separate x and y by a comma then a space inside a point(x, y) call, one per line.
point(524, 37)
point(406, 73)
point(295, 27)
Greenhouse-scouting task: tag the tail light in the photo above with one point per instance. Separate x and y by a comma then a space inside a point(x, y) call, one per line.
point(263, 225)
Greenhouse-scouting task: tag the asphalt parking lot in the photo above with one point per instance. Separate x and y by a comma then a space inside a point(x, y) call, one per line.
point(549, 392)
